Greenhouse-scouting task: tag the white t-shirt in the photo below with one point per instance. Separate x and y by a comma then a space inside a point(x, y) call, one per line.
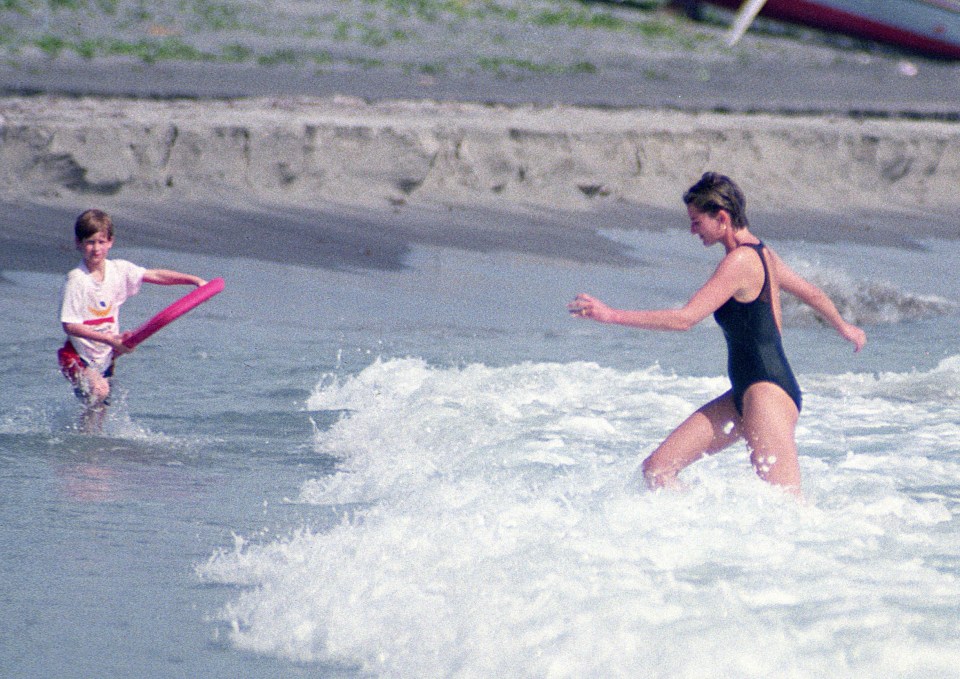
point(97, 305)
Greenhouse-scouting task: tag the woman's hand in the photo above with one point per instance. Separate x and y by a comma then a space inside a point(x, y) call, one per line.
point(585, 306)
point(854, 335)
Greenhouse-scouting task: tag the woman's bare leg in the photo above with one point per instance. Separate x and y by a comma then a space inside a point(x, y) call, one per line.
point(710, 429)
point(769, 427)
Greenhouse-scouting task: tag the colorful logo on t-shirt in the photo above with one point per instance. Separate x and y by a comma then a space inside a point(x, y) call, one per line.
point(102, 312)
point(101, 309)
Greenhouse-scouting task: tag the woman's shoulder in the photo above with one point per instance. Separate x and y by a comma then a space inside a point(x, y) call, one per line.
point(745, 264)
point(745, 253)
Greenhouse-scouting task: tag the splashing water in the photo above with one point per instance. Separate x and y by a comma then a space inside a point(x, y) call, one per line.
point(466, 505)
point(492, 526)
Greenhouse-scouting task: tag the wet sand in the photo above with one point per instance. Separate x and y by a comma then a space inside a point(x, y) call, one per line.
point(345, 183)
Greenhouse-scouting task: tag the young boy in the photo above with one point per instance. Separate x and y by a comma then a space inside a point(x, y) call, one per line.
point(92, 297)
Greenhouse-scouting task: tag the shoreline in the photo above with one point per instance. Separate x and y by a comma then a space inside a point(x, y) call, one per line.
point(347, 238)
point(350, 176)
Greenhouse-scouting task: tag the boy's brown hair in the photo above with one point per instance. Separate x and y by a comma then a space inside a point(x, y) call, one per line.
point(91, 222)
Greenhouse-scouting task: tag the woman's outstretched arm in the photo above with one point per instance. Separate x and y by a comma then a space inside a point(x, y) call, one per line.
point(817, 299)
point(729, 279)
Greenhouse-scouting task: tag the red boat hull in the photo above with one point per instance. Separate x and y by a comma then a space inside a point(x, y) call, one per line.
point(936, 39)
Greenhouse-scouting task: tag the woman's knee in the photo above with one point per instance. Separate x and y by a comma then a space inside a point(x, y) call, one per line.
point(777, 465)
point(660, 470)
point(651, 472)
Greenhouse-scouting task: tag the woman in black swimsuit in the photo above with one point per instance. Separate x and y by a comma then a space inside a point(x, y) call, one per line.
point(743, 294)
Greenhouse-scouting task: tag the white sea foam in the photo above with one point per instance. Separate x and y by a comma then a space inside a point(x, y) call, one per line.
point(492, 526)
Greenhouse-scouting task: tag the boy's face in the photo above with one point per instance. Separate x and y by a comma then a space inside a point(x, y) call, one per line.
point(95, 249)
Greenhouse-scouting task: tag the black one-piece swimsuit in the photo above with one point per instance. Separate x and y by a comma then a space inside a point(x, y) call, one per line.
point(754, 349)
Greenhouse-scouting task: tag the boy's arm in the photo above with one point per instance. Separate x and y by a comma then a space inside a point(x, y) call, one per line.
point(168, 277)
point(81, 330)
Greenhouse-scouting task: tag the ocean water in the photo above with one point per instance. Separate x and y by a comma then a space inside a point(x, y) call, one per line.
point(430, 472)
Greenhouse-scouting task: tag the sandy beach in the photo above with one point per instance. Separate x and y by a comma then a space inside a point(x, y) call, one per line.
point(362, 128)
point(347, 183)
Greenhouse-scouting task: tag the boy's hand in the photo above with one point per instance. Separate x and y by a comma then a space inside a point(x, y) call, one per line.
point(119, 348)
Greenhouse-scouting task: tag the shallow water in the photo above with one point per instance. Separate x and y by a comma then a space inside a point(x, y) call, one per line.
point(429, 472)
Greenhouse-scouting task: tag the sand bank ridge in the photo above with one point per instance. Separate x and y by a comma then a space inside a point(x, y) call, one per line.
point(313, 151)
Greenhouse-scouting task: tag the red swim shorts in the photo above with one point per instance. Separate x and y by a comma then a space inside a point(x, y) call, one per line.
point(72, 365)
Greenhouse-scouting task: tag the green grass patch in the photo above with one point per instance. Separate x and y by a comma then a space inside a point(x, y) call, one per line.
point(67, 4)
point(87, 48)
point(582, 67)
point(372, 37)
point(505, 65)
point(51, 45)
point(433, 11)
point(323, 58)
point(423, 9)
point(581, 19)
point(139, 14)
point(656, 28)
point(164, 50)
point(14, 6)
point(366, 63)
point(369, 36)
point(578, 19)
point(655, 74)
point(341, 31)
point(217, 16)
point(287, 57)
point(432, 68)
point(148, 51)
point(235, 53)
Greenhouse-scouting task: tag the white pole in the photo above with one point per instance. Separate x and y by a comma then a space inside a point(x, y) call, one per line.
point(745, 15)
